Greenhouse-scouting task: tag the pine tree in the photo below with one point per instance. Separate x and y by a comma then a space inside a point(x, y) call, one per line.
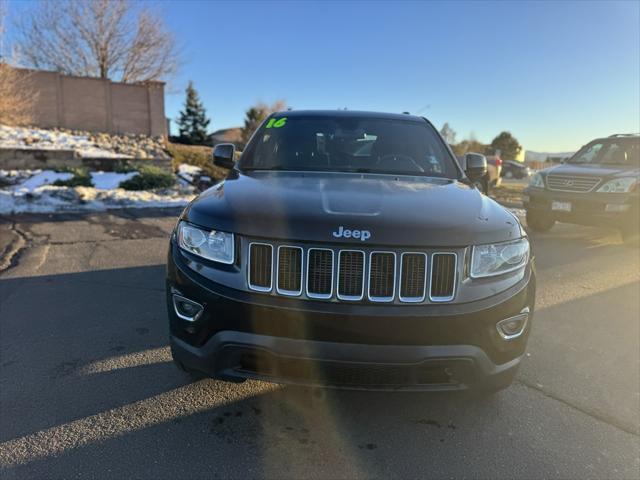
point(193, 121)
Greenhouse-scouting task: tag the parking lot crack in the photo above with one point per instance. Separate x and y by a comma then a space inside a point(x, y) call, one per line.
point(597, 415)
point(10, 254)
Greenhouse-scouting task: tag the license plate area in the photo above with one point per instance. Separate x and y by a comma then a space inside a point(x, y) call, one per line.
point(560, 206)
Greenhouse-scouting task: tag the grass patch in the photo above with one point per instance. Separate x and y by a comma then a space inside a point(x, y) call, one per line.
point(149, 178)
point(198, 156)
point(81, 178)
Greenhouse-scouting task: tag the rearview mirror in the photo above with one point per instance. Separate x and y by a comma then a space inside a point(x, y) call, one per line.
point(476, 166)
point(223, 154)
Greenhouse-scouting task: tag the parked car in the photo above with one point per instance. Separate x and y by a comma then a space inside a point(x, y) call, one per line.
point(513, 169)
point(317, 263)
point(596, 186)
point(491, 178)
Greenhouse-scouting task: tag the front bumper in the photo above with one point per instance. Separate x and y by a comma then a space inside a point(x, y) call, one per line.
point(597, 209)
point(428, 347)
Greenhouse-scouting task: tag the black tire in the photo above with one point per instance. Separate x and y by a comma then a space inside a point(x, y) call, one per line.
point(539, 222)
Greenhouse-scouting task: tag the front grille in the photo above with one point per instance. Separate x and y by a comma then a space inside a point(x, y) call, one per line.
point(566, 183)
point(260, 266)
point(382, 276)
point(316, 273)
point(413, 281)
point(443, 276)
point(351, 275)
point(289, 270)
point(320, 273)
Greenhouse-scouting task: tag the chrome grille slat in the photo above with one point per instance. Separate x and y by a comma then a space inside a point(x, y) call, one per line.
point(568, 183)
point(443, 276)
point(320, 273)
point(351, 275)
point(289, 276)
point(382, 276)
point(317, 273)
point(413, 277)
point(260, 266)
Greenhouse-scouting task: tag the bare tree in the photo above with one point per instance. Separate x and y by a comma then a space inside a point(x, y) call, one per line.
point(16, 96)
point(111, 39)
point(448, 133)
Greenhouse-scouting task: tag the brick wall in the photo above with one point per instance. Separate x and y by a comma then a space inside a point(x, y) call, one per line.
point(93, 104)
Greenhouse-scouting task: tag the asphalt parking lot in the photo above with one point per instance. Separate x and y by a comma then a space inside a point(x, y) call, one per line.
point(87, 388)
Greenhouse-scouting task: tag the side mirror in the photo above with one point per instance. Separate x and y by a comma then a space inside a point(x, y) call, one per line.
point(476, 166)
point(223, 154)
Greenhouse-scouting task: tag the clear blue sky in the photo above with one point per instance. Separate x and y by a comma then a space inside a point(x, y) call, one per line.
point(555, 74)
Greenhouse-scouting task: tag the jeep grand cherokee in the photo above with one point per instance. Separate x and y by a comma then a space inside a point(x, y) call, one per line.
point(350, 250)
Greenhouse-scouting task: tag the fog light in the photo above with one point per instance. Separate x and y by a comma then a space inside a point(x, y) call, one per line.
point(613, 207)
point(512, 327)
point(186, 309)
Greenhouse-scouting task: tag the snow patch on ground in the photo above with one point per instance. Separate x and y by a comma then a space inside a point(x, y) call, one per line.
point(187, 174)
point(31, 191)
point(109, 180)
point(39, 139)
point(49, 199)
point(85, 144)
point(43, 177)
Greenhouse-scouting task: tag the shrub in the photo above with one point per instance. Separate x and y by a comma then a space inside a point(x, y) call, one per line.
point(149, 178)
point(195, 155)
point(81, 178)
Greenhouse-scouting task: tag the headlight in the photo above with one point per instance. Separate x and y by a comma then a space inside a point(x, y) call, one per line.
point(536, 181)
point(619, 185)
point(499, 258)
point(209, 244)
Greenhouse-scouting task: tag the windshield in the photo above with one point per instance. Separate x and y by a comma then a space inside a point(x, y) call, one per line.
point(349, 144)
point(620, 151)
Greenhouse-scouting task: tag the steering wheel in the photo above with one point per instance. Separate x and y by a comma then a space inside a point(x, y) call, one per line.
point(399, 158)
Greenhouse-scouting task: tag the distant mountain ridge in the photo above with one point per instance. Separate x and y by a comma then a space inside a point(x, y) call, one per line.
point(530, 156)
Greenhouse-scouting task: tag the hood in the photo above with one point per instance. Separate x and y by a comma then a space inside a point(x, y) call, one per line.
point(311, 206)
point(593, 170)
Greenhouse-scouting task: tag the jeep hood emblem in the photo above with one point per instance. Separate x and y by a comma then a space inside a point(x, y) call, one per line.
point(362, 235)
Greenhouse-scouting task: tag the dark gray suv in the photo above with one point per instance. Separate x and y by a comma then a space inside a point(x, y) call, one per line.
point(350, 250)
point(596, 186)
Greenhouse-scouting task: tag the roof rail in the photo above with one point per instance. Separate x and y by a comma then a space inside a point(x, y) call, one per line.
point(624, 135)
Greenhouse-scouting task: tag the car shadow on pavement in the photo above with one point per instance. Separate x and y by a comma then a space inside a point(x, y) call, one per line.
point(88, 389)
